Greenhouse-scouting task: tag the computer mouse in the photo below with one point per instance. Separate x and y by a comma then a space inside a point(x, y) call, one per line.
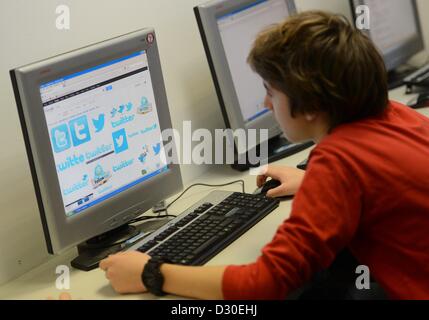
point(303, 165)
point(271, 184)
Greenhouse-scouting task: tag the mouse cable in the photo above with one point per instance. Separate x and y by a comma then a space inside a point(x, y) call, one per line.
point(206, 185)
point(165, 209)
point(147, 218)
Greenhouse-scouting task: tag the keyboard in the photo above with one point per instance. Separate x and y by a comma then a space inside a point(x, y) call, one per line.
point(419, 76)
point(207, 228)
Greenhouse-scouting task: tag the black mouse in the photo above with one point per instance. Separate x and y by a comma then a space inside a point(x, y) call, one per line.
point(271, 184)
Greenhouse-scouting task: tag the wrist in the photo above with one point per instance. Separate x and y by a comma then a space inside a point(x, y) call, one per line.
point(153, 277)
point(165, 269)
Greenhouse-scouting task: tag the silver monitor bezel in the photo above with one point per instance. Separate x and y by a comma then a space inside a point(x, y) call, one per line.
point(62, 232)
point(206, 15)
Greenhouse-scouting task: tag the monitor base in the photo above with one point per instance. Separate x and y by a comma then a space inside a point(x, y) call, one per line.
point(96, 249)
point(278, 148)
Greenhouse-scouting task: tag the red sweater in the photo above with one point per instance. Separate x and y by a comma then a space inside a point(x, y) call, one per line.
point(366, 188)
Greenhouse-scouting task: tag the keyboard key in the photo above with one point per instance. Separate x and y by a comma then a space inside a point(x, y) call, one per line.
point(206, 245)
point(226, 222)
point(232, 212)
point(203, 208)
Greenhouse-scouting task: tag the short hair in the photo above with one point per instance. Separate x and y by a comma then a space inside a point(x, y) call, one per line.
point(323, 63)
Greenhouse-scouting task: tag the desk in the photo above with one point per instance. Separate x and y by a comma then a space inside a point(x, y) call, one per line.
point(40, 282)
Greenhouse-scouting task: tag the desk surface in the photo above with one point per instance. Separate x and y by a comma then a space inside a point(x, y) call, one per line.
point(40, 282)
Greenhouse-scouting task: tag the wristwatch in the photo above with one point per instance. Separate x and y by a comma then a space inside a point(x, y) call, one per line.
point(152, 277)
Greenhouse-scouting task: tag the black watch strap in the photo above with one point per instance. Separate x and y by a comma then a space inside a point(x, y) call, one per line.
point(152, 277)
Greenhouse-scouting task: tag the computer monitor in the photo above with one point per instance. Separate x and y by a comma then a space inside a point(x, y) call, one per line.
point(92, 122)
point(396, 30)
point(228, 29)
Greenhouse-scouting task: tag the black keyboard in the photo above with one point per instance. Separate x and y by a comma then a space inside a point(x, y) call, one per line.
point(207, 228)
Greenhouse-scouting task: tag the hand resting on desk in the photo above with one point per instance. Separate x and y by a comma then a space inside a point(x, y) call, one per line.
point(124, 270)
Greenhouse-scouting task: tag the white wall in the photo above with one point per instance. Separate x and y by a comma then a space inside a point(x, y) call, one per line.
point(28, 33)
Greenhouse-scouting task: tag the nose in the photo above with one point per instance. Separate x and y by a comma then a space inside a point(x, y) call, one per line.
point(268, 104)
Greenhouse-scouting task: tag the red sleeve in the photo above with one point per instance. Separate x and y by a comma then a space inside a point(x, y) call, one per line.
point(325, 216)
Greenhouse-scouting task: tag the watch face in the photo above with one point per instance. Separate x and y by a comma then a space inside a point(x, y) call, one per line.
point(151, 281)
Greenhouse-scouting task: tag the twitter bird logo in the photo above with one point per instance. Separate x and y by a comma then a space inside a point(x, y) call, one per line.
point(99, 123)
point(120, 141)
point(156, 148)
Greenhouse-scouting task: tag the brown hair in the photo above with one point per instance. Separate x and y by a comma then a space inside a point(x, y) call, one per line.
point(322, 63)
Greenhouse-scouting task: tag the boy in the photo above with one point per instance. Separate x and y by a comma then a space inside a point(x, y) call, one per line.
point(367, 183)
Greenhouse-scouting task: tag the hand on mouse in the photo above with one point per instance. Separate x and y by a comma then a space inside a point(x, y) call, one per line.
point(290, 179)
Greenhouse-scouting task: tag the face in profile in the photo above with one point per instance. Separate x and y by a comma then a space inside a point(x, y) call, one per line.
point(296, 128)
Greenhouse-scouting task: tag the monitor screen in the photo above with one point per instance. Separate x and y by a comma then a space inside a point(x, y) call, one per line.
point(392, 23)
point(238, 30)
point(228, 31)
point(394, 28)
point(92, 121)
point(104, 130)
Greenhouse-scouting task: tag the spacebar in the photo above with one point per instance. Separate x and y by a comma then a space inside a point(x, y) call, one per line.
point(205, 245)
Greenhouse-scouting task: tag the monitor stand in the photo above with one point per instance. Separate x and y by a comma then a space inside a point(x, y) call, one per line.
point(278, 148)
point(96, 249)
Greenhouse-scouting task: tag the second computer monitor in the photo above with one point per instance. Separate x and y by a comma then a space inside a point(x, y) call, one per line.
point(394, 28)
point(228, 30)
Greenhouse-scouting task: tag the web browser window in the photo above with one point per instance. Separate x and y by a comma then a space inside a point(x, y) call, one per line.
point(104, 131)
point(238, 31)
